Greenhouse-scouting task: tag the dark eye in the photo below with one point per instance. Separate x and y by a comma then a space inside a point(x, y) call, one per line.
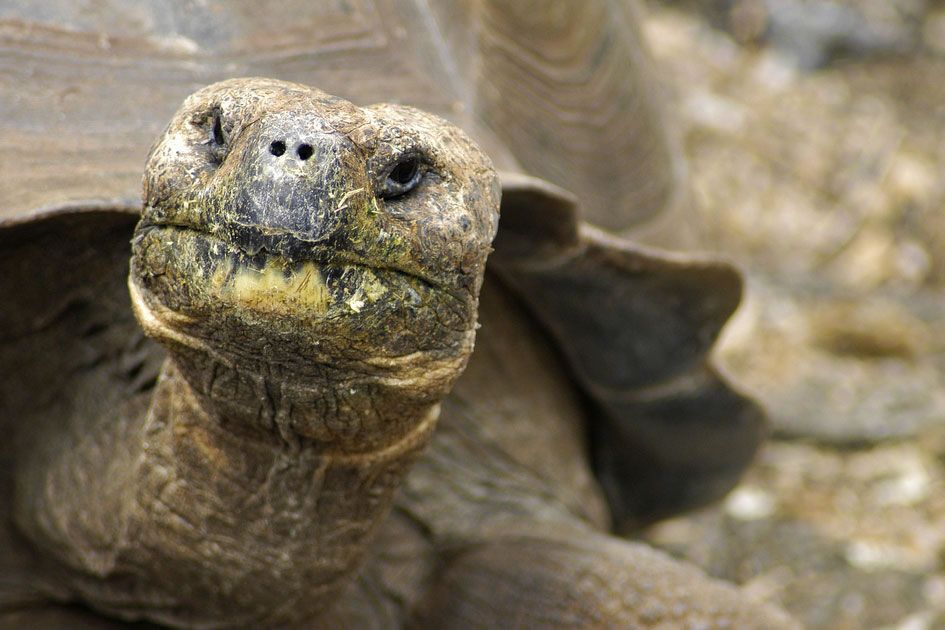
point(402, 177)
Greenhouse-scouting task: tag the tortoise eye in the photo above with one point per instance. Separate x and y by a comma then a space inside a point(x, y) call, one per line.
point(402, 177)
point(404, 173)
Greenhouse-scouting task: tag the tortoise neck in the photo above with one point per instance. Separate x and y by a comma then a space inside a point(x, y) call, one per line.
point(225, 528)
point(261, 481)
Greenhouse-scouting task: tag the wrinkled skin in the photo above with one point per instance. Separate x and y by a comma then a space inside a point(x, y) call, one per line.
point(313, 271)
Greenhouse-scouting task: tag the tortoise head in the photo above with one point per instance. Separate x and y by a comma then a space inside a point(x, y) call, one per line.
point(290, 236)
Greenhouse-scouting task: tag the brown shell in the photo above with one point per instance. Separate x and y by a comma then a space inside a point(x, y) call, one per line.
point(551, 93)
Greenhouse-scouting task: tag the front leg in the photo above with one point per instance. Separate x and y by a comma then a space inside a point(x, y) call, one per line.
point(574, 578)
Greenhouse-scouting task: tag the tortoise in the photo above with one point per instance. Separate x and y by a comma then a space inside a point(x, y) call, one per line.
point(264, 422)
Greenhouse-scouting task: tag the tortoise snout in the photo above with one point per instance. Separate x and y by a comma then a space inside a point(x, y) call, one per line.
point(292, 142)
point(291, 175)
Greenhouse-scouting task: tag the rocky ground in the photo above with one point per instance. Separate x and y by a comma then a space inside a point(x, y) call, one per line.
point(815, 132)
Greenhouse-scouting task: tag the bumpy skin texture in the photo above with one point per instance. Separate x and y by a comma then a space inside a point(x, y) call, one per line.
point(313, 271)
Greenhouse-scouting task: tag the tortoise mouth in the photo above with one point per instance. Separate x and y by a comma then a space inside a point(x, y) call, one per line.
point(195, 273)
point(259, 249)
point(208, 294)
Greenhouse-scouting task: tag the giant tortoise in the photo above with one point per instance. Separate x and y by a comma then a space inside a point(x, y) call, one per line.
point(263, 424)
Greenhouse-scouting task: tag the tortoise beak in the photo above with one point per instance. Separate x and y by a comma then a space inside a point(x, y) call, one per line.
point(289, 182)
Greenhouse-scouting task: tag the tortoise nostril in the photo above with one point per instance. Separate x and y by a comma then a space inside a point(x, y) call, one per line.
point(277, 148)
point(305, 151)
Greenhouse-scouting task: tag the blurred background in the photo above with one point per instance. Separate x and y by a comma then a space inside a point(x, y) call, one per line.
point(815, 134)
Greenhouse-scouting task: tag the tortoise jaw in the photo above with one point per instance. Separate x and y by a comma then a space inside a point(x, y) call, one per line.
point(304, 312)
point(269, 249)
point(277, 275)
point(297, 329)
